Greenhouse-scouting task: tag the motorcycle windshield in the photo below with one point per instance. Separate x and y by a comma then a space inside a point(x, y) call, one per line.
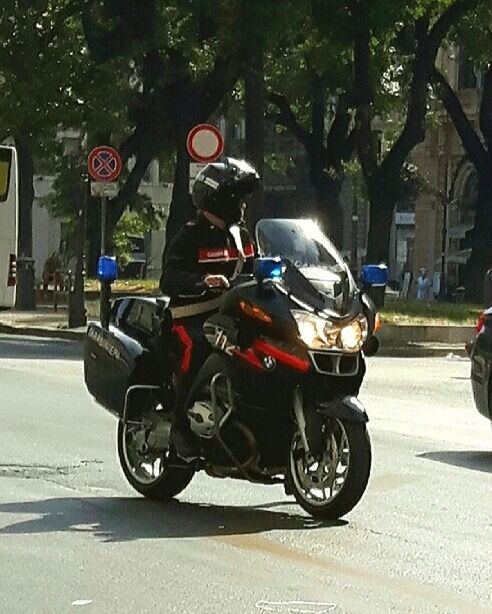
point(306, 248)
point(300, 241)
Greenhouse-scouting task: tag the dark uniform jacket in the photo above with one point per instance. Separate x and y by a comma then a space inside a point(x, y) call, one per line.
point(198, 250)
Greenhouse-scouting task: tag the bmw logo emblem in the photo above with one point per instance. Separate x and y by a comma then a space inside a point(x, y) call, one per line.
point(269, 363)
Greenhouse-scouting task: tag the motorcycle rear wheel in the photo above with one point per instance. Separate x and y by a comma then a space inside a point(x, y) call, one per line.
point(330, 488)
point(152, 477)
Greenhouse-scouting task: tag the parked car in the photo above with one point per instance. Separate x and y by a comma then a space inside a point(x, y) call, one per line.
point(481, 358)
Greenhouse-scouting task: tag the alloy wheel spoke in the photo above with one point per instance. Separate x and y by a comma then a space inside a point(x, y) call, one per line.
point(321, 482)
point(146, 467)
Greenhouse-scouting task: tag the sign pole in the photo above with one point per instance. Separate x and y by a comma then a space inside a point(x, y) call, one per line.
point(105, 295)
point(104, 208)
point(105, 166)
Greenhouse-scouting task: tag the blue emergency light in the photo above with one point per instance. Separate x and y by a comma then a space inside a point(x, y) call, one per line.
point(268, 268)
point(374, 275)
point(107, 269)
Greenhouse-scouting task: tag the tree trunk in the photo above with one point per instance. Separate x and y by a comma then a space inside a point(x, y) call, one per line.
point(481, 256)
point(328, 207)
point(182, 209)
point(26, 298)
point(77, 314)
point(381, 208)
point(93, 229)
point(325, 178)
point(255, 104)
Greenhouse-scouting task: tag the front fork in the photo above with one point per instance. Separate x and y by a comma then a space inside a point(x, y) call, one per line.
point(310, 426)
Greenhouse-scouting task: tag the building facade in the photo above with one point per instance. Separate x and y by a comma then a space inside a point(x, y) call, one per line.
point(445, 207)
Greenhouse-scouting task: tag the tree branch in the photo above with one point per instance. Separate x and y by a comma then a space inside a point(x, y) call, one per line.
point(486, 109)
point(218, 82)
point(428, 44)
point(318, 112)
point(470, 139)
point(363, 91)
point(129, 146)
point(444, 23)
point(288, 120)
point(130, 187)
point(413, 131)
point(340, 144)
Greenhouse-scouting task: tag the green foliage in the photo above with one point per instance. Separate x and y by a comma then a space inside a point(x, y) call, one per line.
point(414, 313)
point(69, 187)
point(309, 47)
point(71, 191)
point(29, 42)
point(48, 82)
point(131, 224)
point(128, 70)
point(474, 35)
point(41, 56)
point(279, 163)
point(353, 172)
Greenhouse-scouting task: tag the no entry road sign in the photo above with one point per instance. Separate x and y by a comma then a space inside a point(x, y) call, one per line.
point(104, 164)
point(205, 143)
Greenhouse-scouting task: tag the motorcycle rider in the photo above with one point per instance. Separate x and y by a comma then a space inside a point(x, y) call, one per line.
point(196, 270)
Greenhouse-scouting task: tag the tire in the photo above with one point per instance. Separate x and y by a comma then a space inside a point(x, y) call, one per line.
point(356, 480)
point(168, 485)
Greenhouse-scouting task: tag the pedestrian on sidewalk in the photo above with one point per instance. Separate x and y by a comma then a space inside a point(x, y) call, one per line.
point(423, 286)
point(52, 273)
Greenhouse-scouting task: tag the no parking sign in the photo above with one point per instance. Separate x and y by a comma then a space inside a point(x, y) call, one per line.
point(104, 164)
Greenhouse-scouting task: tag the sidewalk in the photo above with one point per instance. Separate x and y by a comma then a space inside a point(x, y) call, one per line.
point(45, 322)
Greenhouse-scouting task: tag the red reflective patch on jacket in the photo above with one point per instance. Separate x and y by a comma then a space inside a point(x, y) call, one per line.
point(249, 250)
point(187, 347)
point(224, 254)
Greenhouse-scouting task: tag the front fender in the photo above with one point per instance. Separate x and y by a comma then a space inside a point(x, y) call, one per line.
point(346, 408)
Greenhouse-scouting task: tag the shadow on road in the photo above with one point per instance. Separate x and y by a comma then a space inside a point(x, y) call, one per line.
point(36, 348)
point(478, 461)
point(112, 519)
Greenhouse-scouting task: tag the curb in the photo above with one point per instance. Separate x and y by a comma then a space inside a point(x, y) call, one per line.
point(47, 333)
point(422, 352)
point(430, 335)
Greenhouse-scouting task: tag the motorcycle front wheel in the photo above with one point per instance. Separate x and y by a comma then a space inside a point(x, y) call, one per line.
point(332, 486)
point(148, 470)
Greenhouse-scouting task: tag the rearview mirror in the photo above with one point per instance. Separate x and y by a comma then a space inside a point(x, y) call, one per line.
point(371, 346)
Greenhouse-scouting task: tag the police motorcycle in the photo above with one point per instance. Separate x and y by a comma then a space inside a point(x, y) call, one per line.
point(276, 401)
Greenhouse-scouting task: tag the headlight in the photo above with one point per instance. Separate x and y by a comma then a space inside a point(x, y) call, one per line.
point(320, 334)
point(354, 335)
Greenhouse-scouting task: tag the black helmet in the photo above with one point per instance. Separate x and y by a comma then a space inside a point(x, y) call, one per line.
point(221, 187)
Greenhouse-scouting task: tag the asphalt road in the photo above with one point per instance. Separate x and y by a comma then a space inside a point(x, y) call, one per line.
point(74, 536)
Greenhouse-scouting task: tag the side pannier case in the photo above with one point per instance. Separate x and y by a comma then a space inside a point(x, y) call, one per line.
point(135, 350)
